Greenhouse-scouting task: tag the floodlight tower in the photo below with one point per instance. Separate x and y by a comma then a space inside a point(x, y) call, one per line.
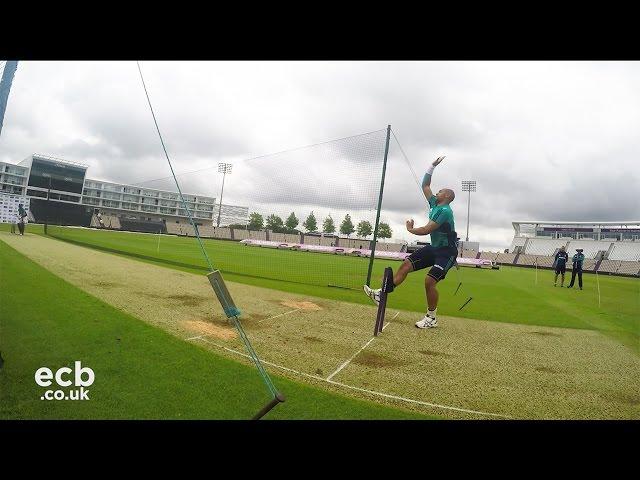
point(223, 168)
point(468, 186)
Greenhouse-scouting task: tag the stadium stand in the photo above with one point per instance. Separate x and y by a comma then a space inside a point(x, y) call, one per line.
point(545, 261)
point(609, 266)
point(328, 241)
point(589, 265)
point(507, 258)
point(220, 232)
point(180, 229)
point(628, 251)
point(524, 259)
point(111, 221)
point(590, 247)
point(629, 268)
point(242, 234)
point(359, 243)
point(469, 253)
point(206, 231)
point(108, 221)
point(283, 237)
point(517, 242)
point(390, 247)
point(543, 246)
point(489, 256)
point(311, 239)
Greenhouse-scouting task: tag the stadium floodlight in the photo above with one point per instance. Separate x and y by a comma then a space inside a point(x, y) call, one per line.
point(468, 186)
point(223, 168)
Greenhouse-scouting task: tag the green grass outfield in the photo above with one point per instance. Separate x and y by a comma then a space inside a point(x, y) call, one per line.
point(506, 295)
point(141, 372)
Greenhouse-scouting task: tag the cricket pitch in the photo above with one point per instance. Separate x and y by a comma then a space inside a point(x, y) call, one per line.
point(462, 369)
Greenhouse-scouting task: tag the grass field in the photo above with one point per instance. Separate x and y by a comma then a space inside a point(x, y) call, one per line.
point(507, 295)
point(518, 350)
point(141, 371)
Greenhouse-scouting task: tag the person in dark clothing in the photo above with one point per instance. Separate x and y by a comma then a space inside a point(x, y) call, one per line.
point(560, 264)
point(578, 260)
point(22, 214)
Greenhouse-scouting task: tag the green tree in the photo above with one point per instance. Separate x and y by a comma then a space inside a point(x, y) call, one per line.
point(274, 222)
point(384, 230)
point(364, 229)
point(292, 221)
point(346, 228)
point(311, 224)
point(328, 226)
point(256, 222)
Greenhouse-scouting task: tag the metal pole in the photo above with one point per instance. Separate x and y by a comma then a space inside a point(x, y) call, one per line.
point(468, 212)
point(9, 71)
point(375, 230)
point(46, 221)
point(224, 175)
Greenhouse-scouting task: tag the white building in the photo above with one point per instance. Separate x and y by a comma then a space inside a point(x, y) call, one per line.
point(45, 178)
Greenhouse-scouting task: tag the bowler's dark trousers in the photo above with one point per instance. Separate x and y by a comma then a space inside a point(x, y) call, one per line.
point(573, 277)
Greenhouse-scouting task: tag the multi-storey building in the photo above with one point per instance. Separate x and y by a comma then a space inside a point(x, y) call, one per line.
point(55, 185)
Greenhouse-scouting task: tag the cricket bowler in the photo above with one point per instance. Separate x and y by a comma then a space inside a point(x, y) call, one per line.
point(440, 255)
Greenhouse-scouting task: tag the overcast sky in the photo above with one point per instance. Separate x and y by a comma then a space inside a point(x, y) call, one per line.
point(544, 140)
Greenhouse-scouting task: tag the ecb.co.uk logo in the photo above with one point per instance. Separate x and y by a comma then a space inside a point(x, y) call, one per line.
point(65, 377)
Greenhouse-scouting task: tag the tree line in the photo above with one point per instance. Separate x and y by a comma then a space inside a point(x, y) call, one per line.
point(275, 223)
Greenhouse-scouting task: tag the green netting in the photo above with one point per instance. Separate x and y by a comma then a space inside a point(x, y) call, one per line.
point(288, 201)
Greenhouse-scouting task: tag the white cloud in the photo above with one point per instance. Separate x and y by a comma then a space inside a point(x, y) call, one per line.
point(553, 140)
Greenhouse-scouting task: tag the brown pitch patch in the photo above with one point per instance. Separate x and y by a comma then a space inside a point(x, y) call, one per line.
point(188, 300)
point(545, 370)
point(206, 328)
point(314, 339)
point(301, 305)
point(433, 353)
point(546, 334)
point(107, 284)
point(184, 299)
point(624, 398)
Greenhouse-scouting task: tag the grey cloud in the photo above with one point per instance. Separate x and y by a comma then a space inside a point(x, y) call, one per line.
point(544, 140)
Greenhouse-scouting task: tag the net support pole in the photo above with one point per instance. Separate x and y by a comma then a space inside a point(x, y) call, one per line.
point(8, 73)
point(375, 229)
point(278, 398)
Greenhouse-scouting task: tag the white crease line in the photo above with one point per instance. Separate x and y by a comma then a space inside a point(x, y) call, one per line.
point(279, 315)
point(328, 379)
point(394, 317)
point(356, 354)
point(371, 392)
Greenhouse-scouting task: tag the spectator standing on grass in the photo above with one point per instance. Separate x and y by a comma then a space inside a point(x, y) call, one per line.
point(560, 264)
point(22, 214)
point(578, 260)
point(14, 222)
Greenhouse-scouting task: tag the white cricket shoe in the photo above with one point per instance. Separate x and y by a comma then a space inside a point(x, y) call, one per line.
point(427, 322)
point(373, 294)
